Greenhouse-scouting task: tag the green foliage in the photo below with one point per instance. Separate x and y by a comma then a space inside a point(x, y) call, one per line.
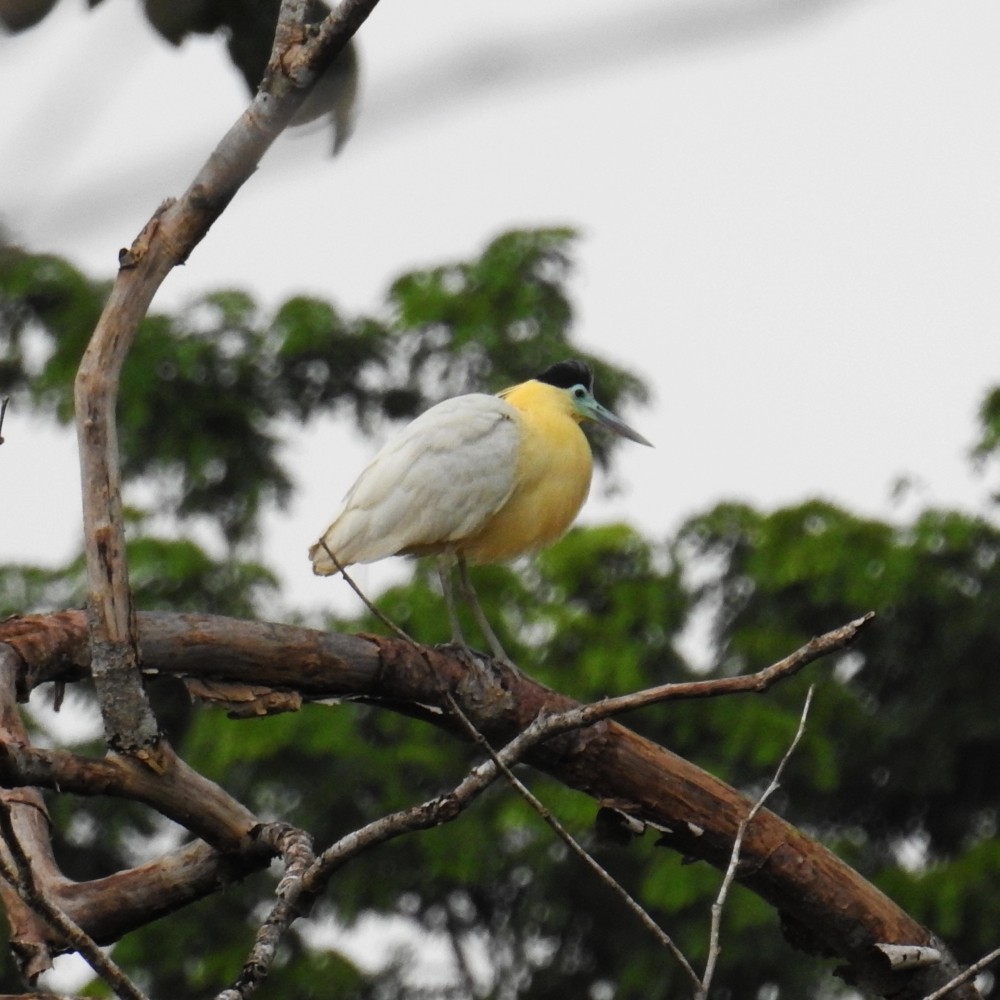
point(918, 727)
point(609, 606)
point(166, 574)
point(895, 769)
point(503, 316)
point(986, 452)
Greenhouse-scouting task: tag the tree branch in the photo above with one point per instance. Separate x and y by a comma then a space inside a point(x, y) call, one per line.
point(833, 909)
point(734, 859)
point(165, 241)
point(298, 889)
point(21, 875)
point(756, 683)
point(211, 814)
point(110, 906)
point(963, 977)
point(569, 840)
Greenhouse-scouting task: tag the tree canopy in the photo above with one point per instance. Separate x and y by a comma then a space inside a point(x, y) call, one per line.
point(894, 773)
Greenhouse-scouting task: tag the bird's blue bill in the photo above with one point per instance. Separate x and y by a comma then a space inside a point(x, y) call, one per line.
point(602, 415)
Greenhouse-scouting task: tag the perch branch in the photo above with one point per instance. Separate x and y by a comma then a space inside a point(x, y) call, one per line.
point(832, 908)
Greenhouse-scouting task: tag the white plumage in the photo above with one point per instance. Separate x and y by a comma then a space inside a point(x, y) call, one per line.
point(475, 479)
point(441, 480)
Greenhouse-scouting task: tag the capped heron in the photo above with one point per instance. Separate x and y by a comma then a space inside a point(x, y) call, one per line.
point(478, 479)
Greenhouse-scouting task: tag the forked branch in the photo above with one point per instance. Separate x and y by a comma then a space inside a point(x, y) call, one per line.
point(833, 909)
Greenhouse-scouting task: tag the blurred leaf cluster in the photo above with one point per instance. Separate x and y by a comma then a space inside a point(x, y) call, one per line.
point(896, 770)
point(247, 29)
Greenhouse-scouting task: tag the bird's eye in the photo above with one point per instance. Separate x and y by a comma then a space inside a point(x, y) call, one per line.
point(579, 392)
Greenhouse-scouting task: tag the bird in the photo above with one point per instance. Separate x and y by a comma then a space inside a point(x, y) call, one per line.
point(475, 479)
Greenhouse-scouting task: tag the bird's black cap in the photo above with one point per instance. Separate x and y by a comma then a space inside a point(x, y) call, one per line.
point(566, 374)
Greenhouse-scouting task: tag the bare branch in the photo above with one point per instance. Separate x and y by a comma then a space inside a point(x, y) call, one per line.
point(756, 683)
point(734, 860)
point(108, 907)
point(574, 845)
point(299, 891)
point(294, 846)
point(22, 876)
point(165, 241)
point(176, 790)
point(32, 940)
point(831, 907)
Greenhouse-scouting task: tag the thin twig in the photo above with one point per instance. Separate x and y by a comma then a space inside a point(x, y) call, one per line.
point(293, 846)
point(734, 860)
point(573, 844)
point(386, 621)
point(3, 411)
point(23, 878)
point(547, 726)
point(299, 893)
point(818, 646)
point(963, 977)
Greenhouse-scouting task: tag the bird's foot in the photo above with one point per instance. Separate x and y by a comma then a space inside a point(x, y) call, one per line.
point(471, 656)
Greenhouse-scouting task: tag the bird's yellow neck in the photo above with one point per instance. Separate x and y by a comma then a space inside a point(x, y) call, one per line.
point(541, 402)
point(551, 479)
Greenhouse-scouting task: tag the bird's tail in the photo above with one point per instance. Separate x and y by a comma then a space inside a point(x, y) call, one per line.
point(324, 563)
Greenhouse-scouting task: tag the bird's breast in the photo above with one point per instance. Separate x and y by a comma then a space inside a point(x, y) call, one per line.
point(552, 479)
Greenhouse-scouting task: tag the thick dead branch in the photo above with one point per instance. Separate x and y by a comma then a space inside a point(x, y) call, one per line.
point(107, 907)
point(165, 241)
point(832, 910)
point(112, 906)
point(176, 791)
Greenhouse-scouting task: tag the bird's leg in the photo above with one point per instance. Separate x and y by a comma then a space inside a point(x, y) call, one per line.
point(469, 593)
point(444, 574)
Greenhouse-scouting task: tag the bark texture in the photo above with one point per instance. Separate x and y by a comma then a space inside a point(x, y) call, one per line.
point(826, 907)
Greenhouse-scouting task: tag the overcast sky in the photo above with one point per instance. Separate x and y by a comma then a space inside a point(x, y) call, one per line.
point(790, 216)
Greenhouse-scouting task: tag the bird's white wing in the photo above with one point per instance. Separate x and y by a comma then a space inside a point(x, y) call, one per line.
point(448, 472)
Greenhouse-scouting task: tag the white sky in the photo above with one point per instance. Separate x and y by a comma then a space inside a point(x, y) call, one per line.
point(790, 216)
